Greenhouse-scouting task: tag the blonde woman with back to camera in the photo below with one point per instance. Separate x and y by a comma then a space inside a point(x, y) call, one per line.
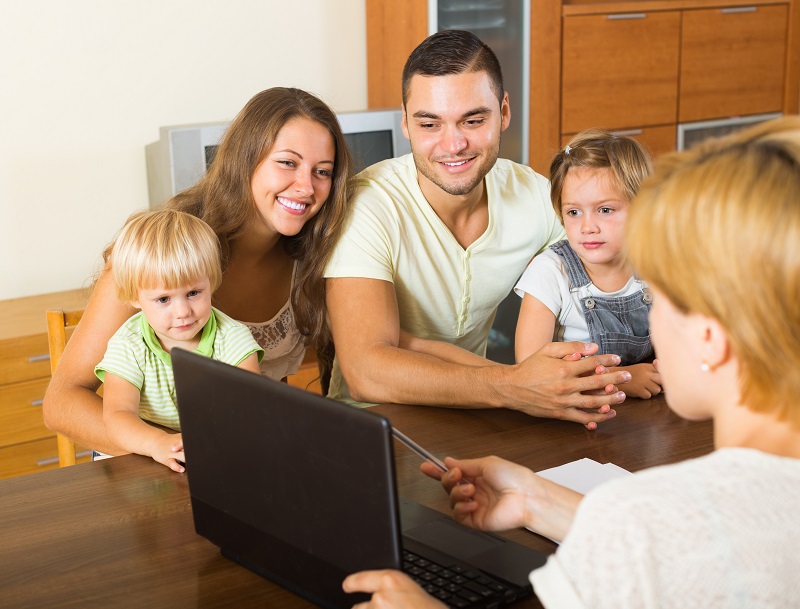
point(276, 197)
point(716, 234)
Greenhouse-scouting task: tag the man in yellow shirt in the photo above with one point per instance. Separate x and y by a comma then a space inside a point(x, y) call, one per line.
point(435, 241)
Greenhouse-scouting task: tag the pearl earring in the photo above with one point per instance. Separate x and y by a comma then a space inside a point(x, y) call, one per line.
point(705, 367)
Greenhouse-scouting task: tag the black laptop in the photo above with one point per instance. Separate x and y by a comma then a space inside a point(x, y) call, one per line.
point(301, 489)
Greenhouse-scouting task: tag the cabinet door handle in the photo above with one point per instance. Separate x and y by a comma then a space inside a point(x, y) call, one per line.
point(625, 132)
point(627, 16)
point(739, 9)
point(51, 460)
point(39, 358)
point(38, 402)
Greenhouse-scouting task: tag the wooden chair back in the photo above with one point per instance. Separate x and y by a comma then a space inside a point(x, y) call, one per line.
point(57, 323)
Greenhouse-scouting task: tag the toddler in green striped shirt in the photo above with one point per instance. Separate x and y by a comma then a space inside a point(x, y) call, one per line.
point(165, 263)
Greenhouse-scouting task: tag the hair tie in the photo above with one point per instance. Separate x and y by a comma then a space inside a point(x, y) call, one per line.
point(567, 149)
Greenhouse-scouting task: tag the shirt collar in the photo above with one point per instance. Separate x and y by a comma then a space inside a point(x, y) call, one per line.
point(206, 346)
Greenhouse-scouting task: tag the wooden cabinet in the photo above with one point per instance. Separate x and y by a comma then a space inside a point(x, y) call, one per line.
point(661, 67)
point(652, 65)
point(733, 61)
point(625, 64)
point(656, 139)
point(393, 30)
point(26, 445)
point(620, 70)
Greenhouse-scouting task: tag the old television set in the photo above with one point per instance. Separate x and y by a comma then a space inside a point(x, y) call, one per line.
point(183, 153)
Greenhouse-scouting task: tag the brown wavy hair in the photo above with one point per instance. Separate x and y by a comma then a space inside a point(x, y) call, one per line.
point(224, 199)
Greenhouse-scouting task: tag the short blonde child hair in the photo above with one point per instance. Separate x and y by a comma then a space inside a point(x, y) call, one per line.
point(629, 162)
point(163, 248)
point(717, 230)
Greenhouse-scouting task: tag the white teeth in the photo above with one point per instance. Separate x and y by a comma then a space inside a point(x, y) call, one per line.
point(292, 204)
point(455, 164)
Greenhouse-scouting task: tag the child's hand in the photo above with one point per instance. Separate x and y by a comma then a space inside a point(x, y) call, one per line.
point(645, 381)
point(169, 451)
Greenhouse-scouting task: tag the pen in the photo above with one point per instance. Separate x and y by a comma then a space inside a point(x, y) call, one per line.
point(418, 449)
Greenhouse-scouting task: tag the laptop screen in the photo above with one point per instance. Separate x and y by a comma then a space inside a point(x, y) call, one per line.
point(283, 480)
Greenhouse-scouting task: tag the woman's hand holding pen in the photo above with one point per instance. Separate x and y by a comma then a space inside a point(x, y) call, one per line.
point(493, 497)
point(500, 495)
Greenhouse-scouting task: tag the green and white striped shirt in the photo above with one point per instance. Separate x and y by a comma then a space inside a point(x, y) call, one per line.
point(135, 354)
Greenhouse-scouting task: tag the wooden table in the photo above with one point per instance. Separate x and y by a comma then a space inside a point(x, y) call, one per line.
point(119, 532)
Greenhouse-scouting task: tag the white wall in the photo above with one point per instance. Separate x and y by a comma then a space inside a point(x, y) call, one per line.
point(85, 84)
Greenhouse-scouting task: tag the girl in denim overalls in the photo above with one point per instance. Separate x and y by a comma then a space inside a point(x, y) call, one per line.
point(582, 288)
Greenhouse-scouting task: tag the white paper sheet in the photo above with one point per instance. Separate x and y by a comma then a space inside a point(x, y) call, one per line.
point(583, 475)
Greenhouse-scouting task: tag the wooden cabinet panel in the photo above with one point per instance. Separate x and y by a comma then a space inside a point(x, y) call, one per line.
point(32, 457)
point(21, 412)
point(24, 358)
point(620, 71)
point(657, 139)
point(394, 29)
point(732, 62)
point(24, 375)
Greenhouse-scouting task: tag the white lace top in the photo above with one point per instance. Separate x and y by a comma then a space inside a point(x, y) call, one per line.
point(719, 531)
point(282, 343)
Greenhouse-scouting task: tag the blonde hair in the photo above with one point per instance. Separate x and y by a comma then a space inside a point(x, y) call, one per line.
point(629, 162)
point(163, 249)
point(717, 230)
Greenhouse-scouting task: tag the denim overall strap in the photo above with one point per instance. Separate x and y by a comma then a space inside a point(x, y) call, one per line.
point(578, 277)
point(618, 325)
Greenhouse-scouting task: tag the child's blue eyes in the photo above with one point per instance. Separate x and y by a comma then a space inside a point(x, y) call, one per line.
point(166, 299)
point(602, 211)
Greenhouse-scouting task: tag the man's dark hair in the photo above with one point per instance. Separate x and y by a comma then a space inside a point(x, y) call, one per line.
point(453, 52)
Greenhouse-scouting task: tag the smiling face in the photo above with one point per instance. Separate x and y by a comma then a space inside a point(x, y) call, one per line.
point(177, 316)
point(594, 212)
point(454, 124)
point(294, 180)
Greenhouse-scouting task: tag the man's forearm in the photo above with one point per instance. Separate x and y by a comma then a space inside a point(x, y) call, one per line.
point(441, 350)
point(389, 374)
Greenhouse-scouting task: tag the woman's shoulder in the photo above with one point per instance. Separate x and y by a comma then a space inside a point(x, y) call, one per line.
point(726, 475)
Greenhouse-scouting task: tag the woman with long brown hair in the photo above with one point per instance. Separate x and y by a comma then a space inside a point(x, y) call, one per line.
point(276, 197)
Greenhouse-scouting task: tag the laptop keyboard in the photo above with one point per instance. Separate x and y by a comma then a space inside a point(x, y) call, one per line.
point(457, 586)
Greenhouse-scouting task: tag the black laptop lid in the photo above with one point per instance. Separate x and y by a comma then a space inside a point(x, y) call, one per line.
point(279, 479)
